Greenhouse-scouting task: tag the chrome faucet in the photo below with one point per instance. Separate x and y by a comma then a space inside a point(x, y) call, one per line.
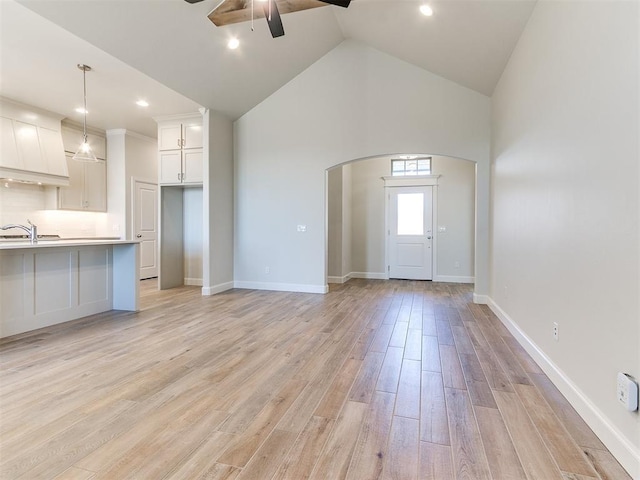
point(32, 230)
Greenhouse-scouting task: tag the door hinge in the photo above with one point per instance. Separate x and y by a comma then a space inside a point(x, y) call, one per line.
point(388, 268)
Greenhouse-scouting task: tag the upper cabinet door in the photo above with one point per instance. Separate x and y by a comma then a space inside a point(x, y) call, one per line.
point(192, 136)
point(95, 186)
point(70, 198)
point(170, 168)
point(169, 137)
point(8, 148)
point(29, 148)
point(192, 167)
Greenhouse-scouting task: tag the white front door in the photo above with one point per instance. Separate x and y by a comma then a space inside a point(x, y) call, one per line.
point(145, 226)
point(410, 232)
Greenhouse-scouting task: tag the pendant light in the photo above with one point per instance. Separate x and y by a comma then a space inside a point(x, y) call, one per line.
point(84, 153)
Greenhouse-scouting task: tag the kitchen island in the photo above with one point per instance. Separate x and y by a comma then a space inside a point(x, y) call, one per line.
point(51, 282)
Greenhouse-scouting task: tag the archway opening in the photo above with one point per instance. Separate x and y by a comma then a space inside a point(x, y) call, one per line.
point(356, 219)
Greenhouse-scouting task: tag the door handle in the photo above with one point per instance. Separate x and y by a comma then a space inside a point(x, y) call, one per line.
point(429, 238)
point(139, 235)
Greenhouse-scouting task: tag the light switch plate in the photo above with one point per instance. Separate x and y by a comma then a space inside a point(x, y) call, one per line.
point(627, 392)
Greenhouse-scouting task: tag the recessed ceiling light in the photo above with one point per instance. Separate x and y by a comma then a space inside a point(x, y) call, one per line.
point(233, 43)
point(426, 10)
point(81, 110)
point(142, 103)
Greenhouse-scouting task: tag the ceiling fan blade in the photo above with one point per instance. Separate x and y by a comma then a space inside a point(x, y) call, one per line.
point(274, 20)
point(340, 3)
point(193, 1)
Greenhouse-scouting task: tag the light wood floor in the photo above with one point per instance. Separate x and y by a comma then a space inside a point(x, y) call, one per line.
point(377, 379)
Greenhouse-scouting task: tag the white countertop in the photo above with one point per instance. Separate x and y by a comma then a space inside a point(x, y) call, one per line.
point(63, 242)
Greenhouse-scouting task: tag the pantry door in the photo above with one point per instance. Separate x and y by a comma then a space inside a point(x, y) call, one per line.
point(410, 232)
point(145, 227)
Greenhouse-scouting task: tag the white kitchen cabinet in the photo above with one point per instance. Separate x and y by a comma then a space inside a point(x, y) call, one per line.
point(54, 282)
point(185, 135)
point(180, 167)
point(180, 153)
point(87, 188)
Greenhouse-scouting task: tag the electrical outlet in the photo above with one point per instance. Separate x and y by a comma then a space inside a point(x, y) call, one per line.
point(556, 333)
point(456, 264)
point(627, 392)
point(302, 228)
point(267, 270)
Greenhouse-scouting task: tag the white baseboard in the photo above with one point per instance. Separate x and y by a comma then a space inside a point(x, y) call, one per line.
point(369, 275)
point(625, 452)
point(193, 281)
point(282, 287)
point(212, 290)
point(344, 279)
point(383, 276)
point(481, 299)
point(453, 279)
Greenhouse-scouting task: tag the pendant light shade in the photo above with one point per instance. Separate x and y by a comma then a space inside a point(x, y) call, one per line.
point(84, 152)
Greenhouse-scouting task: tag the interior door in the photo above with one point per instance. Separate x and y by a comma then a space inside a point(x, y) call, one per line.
point(145, 214)
point(410, 233)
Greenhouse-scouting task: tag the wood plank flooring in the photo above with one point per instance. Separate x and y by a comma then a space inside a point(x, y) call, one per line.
point(377, 379)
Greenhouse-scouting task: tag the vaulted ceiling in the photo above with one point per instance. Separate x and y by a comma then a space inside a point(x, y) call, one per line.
point(171, 45)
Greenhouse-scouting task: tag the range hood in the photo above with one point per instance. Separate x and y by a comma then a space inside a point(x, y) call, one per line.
point(31, 148)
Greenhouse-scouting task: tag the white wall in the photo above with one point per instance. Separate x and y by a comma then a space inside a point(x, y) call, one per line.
point(346, 106)
point(218, 208)
point(565, 240)
point(347, 219)
point(334, 224)
point(116, 182)
point(368, 217)
point(192, 235)
point(141, 164)
point(455, 211)
point(129, 156)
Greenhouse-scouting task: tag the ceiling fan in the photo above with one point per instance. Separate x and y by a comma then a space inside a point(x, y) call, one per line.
point(236, 11)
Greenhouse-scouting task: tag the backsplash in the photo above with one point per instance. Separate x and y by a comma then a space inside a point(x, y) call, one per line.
point(19, 202)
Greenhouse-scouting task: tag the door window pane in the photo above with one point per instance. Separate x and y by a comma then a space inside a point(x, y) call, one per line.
point(415, 166)
point(410, 214)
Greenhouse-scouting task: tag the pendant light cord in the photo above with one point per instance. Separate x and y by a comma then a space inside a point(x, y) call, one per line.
point(84, 153)
point(84, 89)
